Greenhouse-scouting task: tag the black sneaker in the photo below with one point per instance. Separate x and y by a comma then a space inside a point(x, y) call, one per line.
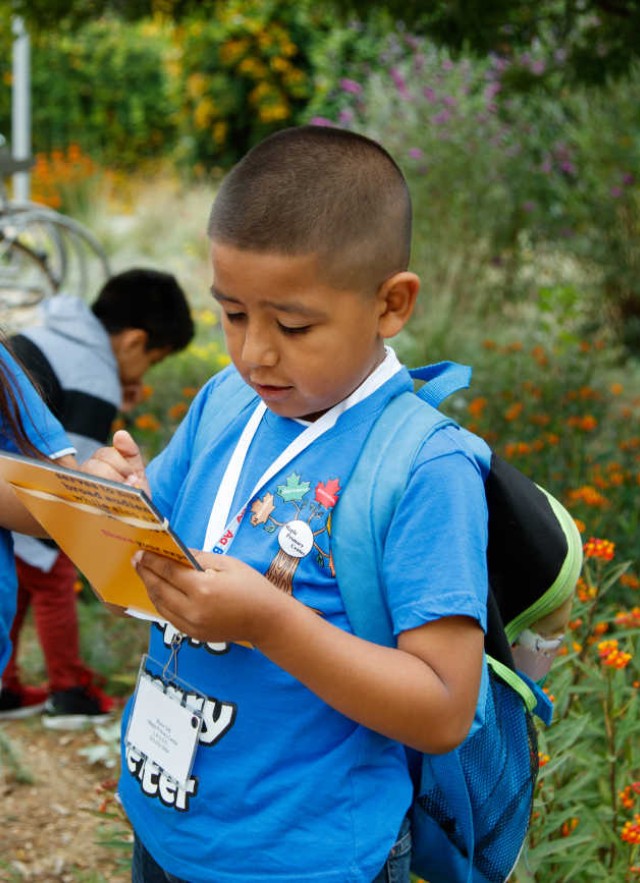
point(76, 707)
point(21, 702)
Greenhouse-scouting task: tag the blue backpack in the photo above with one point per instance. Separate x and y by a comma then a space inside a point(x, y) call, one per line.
point(472, 806)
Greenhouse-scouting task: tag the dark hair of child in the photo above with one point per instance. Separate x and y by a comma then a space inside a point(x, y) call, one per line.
point(11, 425)
point(146, 299)
point(319, 191)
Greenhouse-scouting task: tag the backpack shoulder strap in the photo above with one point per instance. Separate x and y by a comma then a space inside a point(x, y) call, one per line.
point(374, 490)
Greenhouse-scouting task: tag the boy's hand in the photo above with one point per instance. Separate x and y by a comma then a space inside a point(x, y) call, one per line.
point(226, 601)
point(422, 693)
point(122, 462)
point(132, 395)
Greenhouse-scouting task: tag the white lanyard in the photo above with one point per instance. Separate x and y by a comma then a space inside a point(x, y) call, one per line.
point(221, 530)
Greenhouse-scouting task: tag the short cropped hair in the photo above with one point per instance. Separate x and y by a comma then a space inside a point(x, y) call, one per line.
point(323, 191)
point(150, 300)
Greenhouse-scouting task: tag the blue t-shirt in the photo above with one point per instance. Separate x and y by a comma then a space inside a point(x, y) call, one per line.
point(48, 436)
point(284, 788)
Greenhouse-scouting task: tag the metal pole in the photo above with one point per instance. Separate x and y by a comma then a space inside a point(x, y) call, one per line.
point(21, 108)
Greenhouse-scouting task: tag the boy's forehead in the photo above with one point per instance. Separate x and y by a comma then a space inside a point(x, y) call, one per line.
point(236, 270)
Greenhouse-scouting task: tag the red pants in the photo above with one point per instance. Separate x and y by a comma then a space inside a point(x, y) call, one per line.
point(52, 598)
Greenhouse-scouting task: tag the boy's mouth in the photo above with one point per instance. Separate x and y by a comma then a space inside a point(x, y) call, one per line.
point(269, 392)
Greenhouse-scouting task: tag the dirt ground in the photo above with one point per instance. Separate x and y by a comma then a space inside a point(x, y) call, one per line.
point(64, 825)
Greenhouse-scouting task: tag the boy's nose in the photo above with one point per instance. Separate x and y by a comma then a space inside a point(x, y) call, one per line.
point(258, 350)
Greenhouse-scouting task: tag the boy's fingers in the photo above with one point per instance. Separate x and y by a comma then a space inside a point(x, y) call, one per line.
point(128, 449)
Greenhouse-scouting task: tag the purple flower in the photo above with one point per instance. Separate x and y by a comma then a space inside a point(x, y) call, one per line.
point(568, 167)
point(441, 118)
point(345, 116)
point(528, 206)
point(538, 67)
point(350, 86)
point(400, 82)
point(430, 94)
point(321, 121)
point(449, 101)
point(616, 192)
point(416, 153)
point(628, 179)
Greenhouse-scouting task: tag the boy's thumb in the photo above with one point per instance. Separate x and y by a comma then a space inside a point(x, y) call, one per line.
point(123, 442)
point(128, 448)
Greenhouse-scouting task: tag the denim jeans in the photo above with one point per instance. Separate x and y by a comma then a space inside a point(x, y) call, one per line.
point(396, 868)
point(145, 869)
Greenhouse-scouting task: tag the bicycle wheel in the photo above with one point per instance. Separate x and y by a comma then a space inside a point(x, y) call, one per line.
point(75, 261)
point(24, 281)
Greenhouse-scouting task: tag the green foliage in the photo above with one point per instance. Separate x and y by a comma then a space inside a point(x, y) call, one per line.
point(501, 181)
point(104, 87)
point(596, 40)
point(245, 72)
point(588, 787)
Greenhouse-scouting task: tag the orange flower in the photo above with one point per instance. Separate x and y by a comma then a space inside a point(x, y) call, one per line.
point(147, 421)
point(628, 619)
point(630, 581)
point(616, 389)
point(603, 550)
point(628, 795)
point(569, 826)
point(476, 406)
point(589, 495)
point(586, 423)
point(489, 344)
point(580, 525)
point(612, 656)
point(543, 759)
point(189, 391)
point(540, 419)
point(631, 831)
point(515, 449)
point(539, 355)
point(513, 412)
point(177, 411)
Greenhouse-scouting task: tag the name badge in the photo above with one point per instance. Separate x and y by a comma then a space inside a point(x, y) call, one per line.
point(163, 726)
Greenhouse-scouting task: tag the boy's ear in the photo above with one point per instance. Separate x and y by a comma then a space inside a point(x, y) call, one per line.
point(129, 340)
point(396, 298)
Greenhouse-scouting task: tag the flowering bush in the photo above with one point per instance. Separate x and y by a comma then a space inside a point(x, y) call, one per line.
point(66, 180)
point(496, 174)
point(242, 74)
point(586, 811)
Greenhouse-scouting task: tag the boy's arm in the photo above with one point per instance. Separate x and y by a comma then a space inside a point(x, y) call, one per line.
point(423, 693)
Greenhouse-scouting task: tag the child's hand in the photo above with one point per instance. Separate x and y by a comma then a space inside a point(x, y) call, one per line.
point(226, 601)
point(122, 462)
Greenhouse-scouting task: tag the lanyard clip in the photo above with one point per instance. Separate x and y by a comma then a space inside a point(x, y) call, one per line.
point(170, 670)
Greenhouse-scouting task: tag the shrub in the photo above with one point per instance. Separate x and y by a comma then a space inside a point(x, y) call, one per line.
point(104, 87)
point(243, 74)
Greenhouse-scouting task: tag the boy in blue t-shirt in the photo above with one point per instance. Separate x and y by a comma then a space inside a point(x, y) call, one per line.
point(299, 770)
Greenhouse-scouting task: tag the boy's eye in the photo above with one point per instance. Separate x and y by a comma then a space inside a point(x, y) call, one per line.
point(294, 329)
point(235, 317)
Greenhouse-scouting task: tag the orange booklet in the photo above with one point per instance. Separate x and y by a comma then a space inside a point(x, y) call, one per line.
point(100, 524)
